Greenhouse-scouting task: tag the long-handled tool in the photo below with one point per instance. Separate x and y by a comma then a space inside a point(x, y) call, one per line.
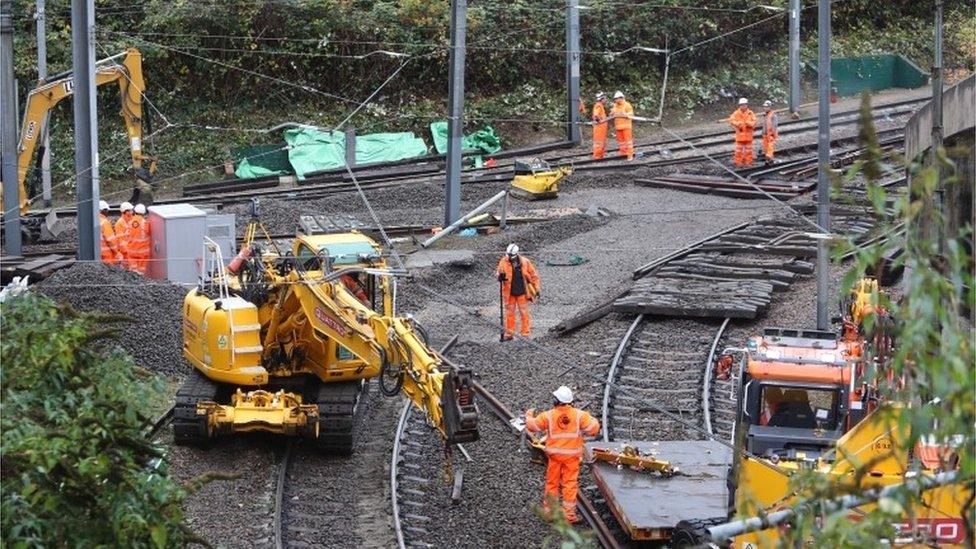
point(501, 309)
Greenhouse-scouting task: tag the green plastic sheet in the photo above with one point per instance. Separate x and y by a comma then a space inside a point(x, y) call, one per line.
point(313, 150)
point(260, 161)
point(387, 147)
point(484, 139)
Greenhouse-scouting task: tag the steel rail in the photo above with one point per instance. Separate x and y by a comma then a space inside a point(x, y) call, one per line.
point(707, 382)
point(395, 471)
point(473, 174)
point(160, 423)
point(280, 494)
point(612, 373)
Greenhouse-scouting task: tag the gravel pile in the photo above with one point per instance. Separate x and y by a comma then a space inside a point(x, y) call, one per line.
point(154, 337)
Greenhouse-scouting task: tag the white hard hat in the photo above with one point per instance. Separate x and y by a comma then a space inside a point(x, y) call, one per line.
point(512, 249)
point(601, 95)
point(102, 205)
point(743, 101)
point(140, 209)
point(618, 94)
point(768, 103)
point(125, 207)
point(563, 394)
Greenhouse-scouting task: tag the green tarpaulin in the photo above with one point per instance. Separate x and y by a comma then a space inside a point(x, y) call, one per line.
point(260, 161)
point(311, 150)
point(387, 147)
point(484, 139)
point(314, 150)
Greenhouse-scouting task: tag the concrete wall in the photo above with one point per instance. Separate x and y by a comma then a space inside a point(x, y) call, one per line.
point(958, 116)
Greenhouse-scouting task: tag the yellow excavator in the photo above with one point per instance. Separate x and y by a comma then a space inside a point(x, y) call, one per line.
point(127, 73)
point(285, 342)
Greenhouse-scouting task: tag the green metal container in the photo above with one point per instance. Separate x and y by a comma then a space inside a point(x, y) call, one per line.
point(852, 75)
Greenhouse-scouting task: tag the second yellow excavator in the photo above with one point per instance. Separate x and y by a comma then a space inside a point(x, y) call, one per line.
point(285, 342)
point(125, 69)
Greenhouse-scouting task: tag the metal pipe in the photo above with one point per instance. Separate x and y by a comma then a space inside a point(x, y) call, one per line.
point(823, 150)
point(572, 71)
point(794, 57)
point(86, 127)
point(728, 530)
point(664, 87)
point(453, 226)
point(455, 123)
point(8, 131)
point(41, 18)
point(350, 146)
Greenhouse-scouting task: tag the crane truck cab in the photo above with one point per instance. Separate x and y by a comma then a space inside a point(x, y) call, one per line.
point(798, 395)
point(285, 341)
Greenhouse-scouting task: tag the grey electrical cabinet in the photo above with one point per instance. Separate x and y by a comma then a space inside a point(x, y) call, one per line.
point(177, 242)
point(222, 229)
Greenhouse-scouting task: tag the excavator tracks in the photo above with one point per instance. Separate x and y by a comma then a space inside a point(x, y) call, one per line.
point(338, 404)
point(190, 429)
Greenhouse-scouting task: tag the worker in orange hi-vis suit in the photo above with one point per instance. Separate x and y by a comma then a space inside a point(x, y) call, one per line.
point(600, 125)
point(111, 254)
point(122, 228)
point(519, 285)
point(139, 240)
point(770, 131)
point(355, 287)
point(565, 426)
point(623, 114)
point(744, 122)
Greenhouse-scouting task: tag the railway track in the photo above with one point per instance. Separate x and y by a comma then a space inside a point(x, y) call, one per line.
point(377, 177)
point(325, 500)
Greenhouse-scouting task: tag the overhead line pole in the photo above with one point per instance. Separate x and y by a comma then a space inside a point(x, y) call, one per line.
point(823, 157)
point(937, 129)
point(794, 57)
point(86, 126)
point(455, 122)
point(8, 131)
point(572, 71)
point(41, 18)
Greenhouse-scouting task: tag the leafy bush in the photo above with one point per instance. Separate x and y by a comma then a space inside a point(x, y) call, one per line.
point(77, 469)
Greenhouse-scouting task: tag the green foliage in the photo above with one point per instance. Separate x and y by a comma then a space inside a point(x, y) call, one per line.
point(77, 467)
point(563, 535)
point(933, 333)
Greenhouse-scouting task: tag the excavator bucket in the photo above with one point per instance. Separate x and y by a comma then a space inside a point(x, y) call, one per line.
point(52, 226)
point(460, 410)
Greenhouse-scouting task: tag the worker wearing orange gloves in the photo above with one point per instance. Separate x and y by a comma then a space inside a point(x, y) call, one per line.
point(564, 426)
point(111, 253)
point(519, 284)
point(770, 131)
point(600, 125)
point(744, 122)
point(139, 240)
point(122, 228)
point(623, 114)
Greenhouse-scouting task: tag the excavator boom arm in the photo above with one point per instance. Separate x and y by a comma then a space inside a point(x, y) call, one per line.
point(41, 100)
point(444, 395)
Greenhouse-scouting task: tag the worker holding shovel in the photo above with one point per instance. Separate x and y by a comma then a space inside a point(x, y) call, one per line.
point(518, 283)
